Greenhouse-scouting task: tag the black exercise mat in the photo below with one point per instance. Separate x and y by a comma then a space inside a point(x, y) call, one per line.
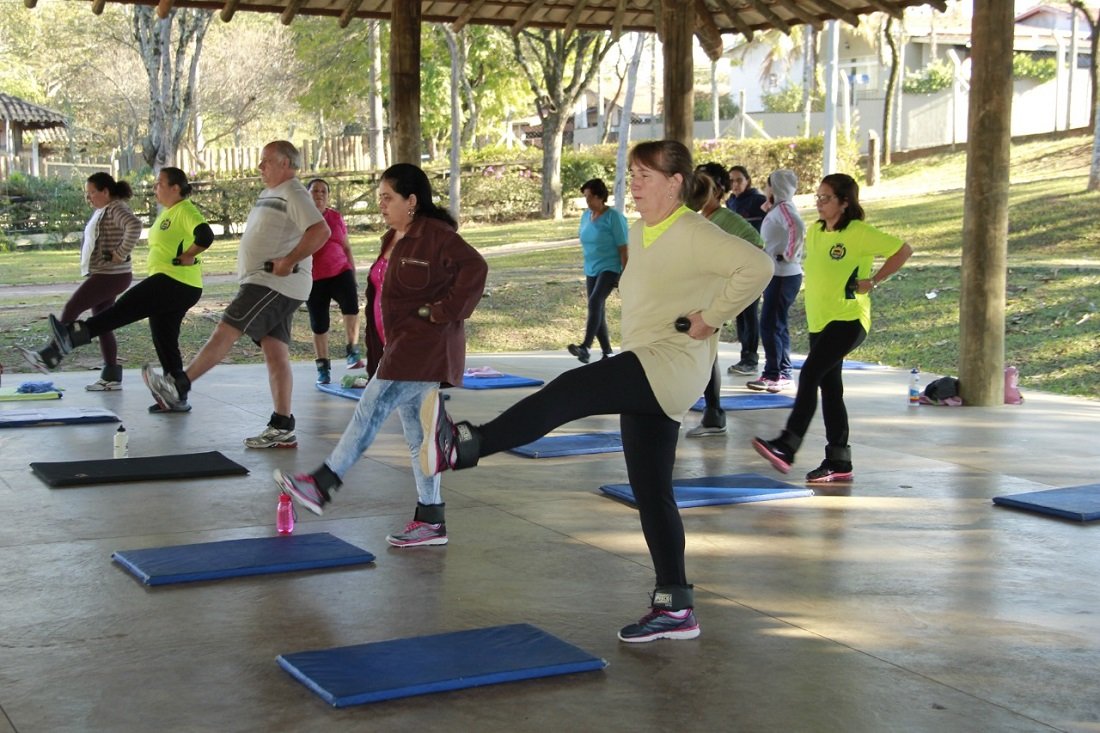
point(146, 468)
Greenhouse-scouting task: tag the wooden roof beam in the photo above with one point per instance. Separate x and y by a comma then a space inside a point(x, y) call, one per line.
point(467, 15)
point(764, 9)
point(292, 8)
point(735, 17)
point(793, 7)
point(710, 38)
point(526, 16)
point(349, 12)
point(885, 7)
point(29, 4)
point(98, 5)
point(228, 10)
point(575, 16)
point(617, 23)
point(164, 7)
point(837, 11)
point(940, 5)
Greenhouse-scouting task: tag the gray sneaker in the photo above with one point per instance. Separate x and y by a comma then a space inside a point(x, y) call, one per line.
point(163, 389)
point(742, 368)
point(273, 437)
point(703, 431)
point(103, 385)
point(417, 534)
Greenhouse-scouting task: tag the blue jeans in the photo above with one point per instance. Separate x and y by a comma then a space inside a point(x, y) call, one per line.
point(778, 297)
point(380, 398)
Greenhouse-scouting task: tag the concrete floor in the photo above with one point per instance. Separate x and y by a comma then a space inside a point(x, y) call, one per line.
point(904, 602)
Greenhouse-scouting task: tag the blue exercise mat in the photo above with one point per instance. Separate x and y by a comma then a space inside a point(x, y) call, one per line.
point(734, 488)
point(385, 670)
point(352, 393)
point(573, 444)
point(1074, 502)
point(798, 364)
point(501, 381)
point(754, 401)
point(43, 416)
point(235, 558)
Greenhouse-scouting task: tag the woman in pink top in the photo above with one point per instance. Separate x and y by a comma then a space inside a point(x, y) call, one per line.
point(333, 279)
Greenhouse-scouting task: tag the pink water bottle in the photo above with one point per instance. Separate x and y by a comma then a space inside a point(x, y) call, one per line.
point(284, 515)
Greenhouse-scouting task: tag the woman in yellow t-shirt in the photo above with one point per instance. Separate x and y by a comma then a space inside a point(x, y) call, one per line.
point(174, 285)
point(838, 280)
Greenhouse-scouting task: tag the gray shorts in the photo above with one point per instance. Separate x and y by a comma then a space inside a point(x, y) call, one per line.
point(259, 311)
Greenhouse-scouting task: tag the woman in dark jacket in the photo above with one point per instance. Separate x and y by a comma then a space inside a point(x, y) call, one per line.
point(749, 203)
point(421, 289)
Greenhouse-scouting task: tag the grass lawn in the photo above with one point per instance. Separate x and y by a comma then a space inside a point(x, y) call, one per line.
point(535, 300)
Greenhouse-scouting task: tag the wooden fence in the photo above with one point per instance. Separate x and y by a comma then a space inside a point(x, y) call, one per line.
point(348, 153)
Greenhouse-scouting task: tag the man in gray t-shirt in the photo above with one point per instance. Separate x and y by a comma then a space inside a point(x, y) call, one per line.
point(274, 265)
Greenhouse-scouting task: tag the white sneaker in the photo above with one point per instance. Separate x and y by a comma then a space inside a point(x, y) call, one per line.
point(702, 431)
point(272, 437)
point(778, 385)
point(103, 385)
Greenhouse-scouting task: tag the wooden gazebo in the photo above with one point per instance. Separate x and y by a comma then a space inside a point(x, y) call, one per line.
point(19, 115)
point(676, 22)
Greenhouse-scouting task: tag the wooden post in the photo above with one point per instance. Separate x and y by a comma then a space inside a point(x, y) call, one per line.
point(872, 158)
point(405, 82)
point(985, 209)
point(677, 25)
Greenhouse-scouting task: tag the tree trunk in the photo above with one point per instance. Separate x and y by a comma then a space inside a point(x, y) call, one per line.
point(891, 85)
point(374, 101)
point(1094, 169)
point(553, 126)
point(458, 63)
point(172, 71)
point(624, 123)
point(985, 208)
point(1094, 48)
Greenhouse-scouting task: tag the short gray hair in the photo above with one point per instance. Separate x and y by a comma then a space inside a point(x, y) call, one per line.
point(288, 151)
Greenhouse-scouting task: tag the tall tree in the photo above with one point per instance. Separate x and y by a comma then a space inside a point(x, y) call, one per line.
point(891, 85)
point(559, 67)
point(170, 49)
point(1080, 6)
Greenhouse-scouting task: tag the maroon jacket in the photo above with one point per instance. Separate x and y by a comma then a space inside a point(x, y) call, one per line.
point(431, 265)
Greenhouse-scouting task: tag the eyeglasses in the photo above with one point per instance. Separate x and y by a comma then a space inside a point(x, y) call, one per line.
point(823, 197)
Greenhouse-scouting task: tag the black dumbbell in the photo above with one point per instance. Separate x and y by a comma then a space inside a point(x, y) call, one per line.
point(683, 324)
point(269, 266)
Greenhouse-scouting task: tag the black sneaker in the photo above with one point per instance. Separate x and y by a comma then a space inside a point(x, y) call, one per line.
point(40, 361)
point(61, 336)
point(826, 473)
point(581, 352)
point(743, 368)
point(661, 624)
point(780, 459)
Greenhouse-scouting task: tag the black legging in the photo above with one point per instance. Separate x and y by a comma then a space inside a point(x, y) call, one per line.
point(823, 369)
point(608, 387)
point(598, 288)
point(164, 301)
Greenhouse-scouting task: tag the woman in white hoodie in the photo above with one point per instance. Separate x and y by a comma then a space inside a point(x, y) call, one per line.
point(784, 235)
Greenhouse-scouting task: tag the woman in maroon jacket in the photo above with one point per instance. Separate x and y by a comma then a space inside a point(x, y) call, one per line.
point(430, 280)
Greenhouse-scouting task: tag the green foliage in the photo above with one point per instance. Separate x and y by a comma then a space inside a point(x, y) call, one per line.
point(226, 201)
point(803, 155)
point(932, 78)
point(501, 193)
point(578, 166)
point(1026, 66)
point(52, 206)
point(789, 99)
point(704, 109)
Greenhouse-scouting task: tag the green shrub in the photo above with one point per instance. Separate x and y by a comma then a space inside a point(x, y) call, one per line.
point(803, 155)
point(932, 78)
point(500, 193)
point(1026, 66)
point(704, 110)
point(50, 206)
point(578, 166)
point(789, 99)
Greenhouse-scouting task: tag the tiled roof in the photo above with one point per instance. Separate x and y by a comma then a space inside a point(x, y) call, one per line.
point(29, 116)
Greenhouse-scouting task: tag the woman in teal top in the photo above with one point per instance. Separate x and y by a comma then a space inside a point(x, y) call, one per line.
point(177, 237)
point(838, 281)
point(603, 235)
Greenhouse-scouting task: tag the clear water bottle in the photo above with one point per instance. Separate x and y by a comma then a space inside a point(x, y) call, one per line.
point(122, 443)
point(284, 515)
point(914, 387)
